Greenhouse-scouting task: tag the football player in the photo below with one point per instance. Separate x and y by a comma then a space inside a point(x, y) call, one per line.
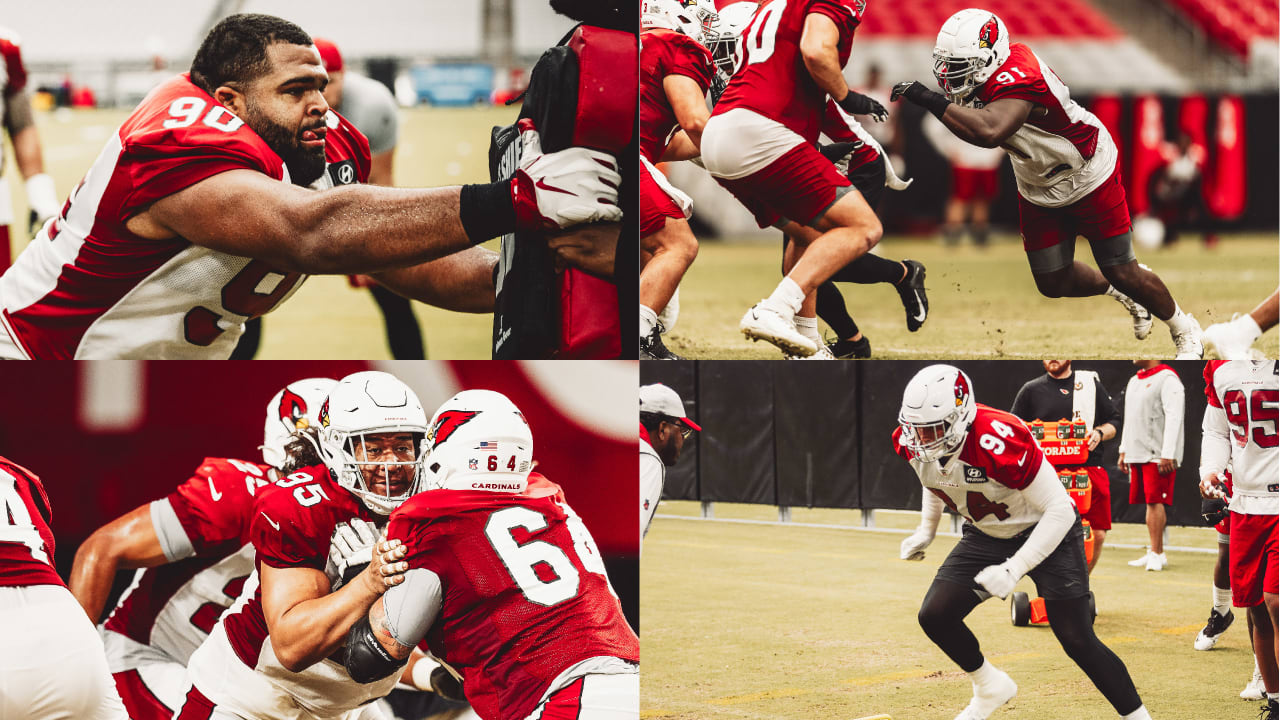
point(675, 74)
point(193, 554)
point(272, 656)
point(985, 465)
point(760, 144)
point(196, 216)
point(1232, 340)
point(505, 582)
point(15, 107)
point(52, 664)
point(1240, 427)
point(1000, 94)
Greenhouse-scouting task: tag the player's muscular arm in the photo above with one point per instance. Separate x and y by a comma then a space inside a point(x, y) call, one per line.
point(820, 50)
point(462, 282)
point(380, 168)
point(22, 132)
point(591, 248)
point(988, 126)
point(689, 105)
point(129, 541)
point(680, 148)
point(308, 623)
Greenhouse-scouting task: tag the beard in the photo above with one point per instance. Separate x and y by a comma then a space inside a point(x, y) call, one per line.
point(305, 166)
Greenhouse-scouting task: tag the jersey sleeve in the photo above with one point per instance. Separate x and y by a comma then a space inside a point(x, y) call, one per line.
point(1012, 457)
point(686, 57)
point(844, 13)
point(287, 535)
point(17, 72)
point(1019, 78)
point(213, 506)
point(1211, 392)
point(420, 537)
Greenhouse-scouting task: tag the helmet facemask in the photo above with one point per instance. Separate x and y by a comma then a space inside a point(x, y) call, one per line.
point(958, 76)
point(931, 441)
point(382, 466)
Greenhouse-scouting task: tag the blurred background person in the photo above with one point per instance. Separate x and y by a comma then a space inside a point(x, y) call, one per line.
point(15, 104)
point(1151, 448)
point(975, 183)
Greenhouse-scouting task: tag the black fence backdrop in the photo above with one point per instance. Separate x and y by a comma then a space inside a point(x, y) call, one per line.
point(818, 434)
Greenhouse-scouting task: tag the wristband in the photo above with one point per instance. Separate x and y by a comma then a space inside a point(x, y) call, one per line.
point(421, 675)
point(486, 210)
point(935, 103)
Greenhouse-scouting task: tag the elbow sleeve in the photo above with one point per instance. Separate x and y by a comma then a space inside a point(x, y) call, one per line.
point(366, 660)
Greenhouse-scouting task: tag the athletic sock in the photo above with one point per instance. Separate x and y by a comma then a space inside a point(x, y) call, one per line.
point(869, 270)
point(1139, 714)
point(786, 298)
point(648, 318)
point(832, 310)
point(808, 327)
point(1180, 322)
point(986, 675)
point(1221, 600)
point(1249, 326)
point(1113, 292)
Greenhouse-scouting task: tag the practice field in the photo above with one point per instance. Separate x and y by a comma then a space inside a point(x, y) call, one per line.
point(767, 621)
point(326, 319)
point(982, 303)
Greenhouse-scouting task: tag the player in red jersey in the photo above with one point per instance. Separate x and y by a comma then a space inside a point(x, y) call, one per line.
point(15, 108)
point(505, 583)
point(52, 665)
point(189, 222)
point(274, 655)
point(675, 74)
point(1067, 167)
point(985, 465)
point(760, 144)
point(1242, 426)
point(193, 554)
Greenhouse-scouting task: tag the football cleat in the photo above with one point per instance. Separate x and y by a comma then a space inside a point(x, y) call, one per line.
point(1142, 561)
point(1212, 630)
point(1187, 342)
point(1156, 563)
point(1141, 316)
point(987, 700)
point(914, 299)
point(1270, 710)
point(1231, 340)
point(1255, 690)
point(764, 323)
point(652, 348)
point(823, 354)
point(851, 349)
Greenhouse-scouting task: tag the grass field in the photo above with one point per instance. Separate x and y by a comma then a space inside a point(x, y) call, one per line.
point(983, 303)
point(326, 319)
point(766, 621)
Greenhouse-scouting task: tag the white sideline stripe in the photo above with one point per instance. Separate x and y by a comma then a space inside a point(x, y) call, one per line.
point(908, 531)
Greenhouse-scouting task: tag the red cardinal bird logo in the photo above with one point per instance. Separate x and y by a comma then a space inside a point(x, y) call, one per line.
point(293, 409)
point(449, 421)
point(989, 33)
point(962, 390)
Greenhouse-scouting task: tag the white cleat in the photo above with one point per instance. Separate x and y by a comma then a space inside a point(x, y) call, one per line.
point(1156, 563)
point(988, 700)
point(1188, 341)
point(1230, 340)
point(1255, 690)
point(763, 323)
point(1141, 316)
point(1142, 561)
point(824, 353)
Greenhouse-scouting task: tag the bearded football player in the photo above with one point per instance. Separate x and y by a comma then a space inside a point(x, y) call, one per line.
point(985, 465)
point(1001, 94)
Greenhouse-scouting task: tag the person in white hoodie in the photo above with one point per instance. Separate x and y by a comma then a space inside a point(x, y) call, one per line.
point(1151, 448)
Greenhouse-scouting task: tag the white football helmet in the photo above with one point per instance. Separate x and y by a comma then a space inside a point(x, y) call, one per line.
point(296, 407)
point(364, 404)
point(479, 440)
point(937, 410)
point(971, 46)
point(696, 18)
point(734, 18)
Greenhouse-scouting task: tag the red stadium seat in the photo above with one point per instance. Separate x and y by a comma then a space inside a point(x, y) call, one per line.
point(1233, 24)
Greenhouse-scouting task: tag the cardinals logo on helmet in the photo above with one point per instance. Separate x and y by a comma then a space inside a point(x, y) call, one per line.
point(293, 410)
point(962, 390)
point(449, 421)
point(324, 413)
point(989, 33)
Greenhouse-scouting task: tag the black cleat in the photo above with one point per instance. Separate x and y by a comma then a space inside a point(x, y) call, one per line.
point(914, 300)
point(1213, 629)
point(1269, 710)
point(851, 349)
point(651, 348)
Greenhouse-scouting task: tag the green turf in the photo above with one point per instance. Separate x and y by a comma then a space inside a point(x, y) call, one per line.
point(326, 319)
point(983, 303)
point(752, 621)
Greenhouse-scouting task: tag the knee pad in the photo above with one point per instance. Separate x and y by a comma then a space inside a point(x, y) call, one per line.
point(1053, 258)
point(1114, 251)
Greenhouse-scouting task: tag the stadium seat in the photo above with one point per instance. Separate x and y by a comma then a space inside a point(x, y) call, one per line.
point(1233, 24)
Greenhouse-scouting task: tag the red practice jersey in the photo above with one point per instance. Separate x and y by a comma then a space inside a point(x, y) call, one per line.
point(770, 76)
point(1062, 152)
point(998, 460)
point(843, 127)
point(525, 595)
point(173, 607)
point(662, 53)
point(26, 542)
point(86, 287)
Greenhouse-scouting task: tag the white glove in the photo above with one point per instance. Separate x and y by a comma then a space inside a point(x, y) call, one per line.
point(1211, 487)
point(565, 188)
point(913, 547)
point(350, 550)
point(999, 580)
point(42, 198)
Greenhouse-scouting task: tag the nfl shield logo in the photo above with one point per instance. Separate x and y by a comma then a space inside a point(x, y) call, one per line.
point(473, 464)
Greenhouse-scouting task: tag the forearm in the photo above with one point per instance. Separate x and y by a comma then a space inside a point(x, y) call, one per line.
point(1215, 444)
point(930, 514)
point(462, 282)
point(1107, 431)
point(26, 151)
point(680, 148)
point(590, 248)
point(314, 629)
point(92, 573)
point(1046, 494)
point(974, 126)
point(824, 67)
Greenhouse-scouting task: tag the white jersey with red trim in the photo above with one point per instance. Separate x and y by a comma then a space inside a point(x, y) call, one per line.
point(984, 482)
point(1062, 152)
point(86, 287)
point(1242, 426)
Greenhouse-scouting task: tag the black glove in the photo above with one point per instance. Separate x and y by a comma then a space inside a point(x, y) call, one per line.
point(1213, 510)
point(444, 684)
point(859, 104)
point(915, 92)
point(838, 153)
